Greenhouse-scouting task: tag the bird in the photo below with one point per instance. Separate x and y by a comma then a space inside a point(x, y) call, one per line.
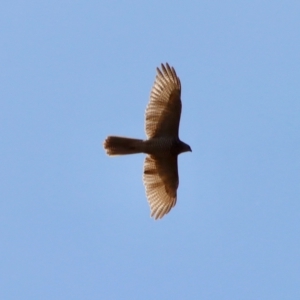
point(162, 146)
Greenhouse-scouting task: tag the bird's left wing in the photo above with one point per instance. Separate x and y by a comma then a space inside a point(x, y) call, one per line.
point(161, 183)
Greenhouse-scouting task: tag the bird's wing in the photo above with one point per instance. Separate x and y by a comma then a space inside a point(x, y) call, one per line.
point(164, 108)
point(161, 183)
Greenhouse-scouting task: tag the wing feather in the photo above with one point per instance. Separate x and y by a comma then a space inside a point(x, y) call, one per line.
point(164, 108)
point(161, 183)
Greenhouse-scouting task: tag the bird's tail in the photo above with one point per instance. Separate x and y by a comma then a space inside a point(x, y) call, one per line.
point(115, 145)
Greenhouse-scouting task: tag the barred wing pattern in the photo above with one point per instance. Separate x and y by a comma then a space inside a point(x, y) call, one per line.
point(161, 183)
point(164, 108)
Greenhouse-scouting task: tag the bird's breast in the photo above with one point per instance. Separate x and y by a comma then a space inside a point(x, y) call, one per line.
point(161, 146)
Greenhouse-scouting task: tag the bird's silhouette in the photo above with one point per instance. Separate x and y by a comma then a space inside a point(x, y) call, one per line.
point(162, 145)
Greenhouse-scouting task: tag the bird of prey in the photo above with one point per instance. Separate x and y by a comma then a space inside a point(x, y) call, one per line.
point(162, 145)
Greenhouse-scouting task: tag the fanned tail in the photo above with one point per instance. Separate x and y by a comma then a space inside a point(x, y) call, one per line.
point(116, 145)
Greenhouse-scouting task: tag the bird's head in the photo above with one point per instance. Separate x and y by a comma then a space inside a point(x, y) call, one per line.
point(185, 147)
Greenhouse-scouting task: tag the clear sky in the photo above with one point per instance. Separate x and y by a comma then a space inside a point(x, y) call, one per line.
point(75, 223)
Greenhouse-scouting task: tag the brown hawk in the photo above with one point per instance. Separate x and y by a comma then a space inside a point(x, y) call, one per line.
point(163, 144)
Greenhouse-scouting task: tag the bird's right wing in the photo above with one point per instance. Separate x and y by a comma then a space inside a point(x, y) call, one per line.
point(161, 183)
point(164, 108)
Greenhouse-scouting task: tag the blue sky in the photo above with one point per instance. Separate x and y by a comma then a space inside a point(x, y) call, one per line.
point(75, 224)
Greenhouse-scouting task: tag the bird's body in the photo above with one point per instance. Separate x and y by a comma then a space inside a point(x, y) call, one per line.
point(163, 144)
point(159, 146)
